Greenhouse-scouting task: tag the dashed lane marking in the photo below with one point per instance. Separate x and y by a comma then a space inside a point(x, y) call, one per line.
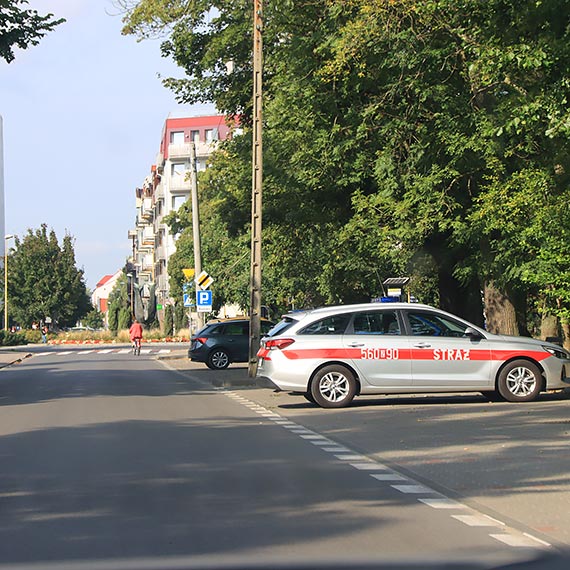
point(477, 520)
point(442, 504)
point(413, 489)
point(431, 498)
point(387, 477)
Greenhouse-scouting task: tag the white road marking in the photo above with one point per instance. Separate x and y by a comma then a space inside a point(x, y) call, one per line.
point(125, 351)
point(442, 503)
point(368, 466)
point(362, 463)
point(106, 351)
point(543, 542)
point(64, 353)
point(164, 351)
point(516, 540)
point(413, 489)
point(388, 477)
point(476, 520)
point(350, 457)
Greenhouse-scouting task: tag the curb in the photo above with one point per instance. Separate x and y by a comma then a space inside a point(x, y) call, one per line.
point(16, 361)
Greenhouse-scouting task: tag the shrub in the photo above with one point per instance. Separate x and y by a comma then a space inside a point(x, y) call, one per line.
point(12, 339)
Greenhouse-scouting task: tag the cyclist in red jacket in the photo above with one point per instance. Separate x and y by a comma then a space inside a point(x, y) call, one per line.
point(135, 334)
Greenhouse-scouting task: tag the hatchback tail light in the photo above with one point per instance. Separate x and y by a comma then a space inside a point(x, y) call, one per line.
point(201, 339)
point(279, 343)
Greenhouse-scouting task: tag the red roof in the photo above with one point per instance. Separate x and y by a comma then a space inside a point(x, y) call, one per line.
point(104, 280)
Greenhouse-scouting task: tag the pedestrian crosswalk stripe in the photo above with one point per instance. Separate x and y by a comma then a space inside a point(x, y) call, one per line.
point(80, 352)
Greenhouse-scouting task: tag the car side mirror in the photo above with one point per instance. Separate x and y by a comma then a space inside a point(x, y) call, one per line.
point(473, 334)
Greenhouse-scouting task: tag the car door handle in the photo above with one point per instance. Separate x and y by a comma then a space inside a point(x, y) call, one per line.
point(356, 344)
point(422, 345)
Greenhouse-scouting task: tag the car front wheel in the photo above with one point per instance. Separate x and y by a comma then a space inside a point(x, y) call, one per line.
point(520, 381)
point(333, 386)
point(218, 359)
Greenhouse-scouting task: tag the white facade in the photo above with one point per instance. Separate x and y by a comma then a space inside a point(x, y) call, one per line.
point(164, 190)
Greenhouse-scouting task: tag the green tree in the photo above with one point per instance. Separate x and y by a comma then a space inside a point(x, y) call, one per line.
point(168, 324)
point(119, 300)
point(94, 319)
point(426, 137)
point(21, 27)
point(43, 280)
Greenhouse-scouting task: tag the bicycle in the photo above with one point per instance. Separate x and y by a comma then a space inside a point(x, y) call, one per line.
point(136, 346)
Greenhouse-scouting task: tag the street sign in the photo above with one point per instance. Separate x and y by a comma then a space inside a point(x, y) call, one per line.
point(188, 273)
point(204, 301)
point(204, 281)
point(188, 299)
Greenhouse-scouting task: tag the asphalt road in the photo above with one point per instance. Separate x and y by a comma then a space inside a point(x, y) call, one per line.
point(122, 460)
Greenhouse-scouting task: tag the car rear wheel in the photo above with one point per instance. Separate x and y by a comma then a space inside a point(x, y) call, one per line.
point(218, 359)
point(333, 386)
point(520, 381)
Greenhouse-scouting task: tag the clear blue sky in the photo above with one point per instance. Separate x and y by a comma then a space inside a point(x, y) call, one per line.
point(83, 114)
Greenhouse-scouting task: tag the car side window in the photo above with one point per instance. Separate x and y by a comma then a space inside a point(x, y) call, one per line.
point(429, 324)
point(335, 324)
point(236, 329)
point(376, 322)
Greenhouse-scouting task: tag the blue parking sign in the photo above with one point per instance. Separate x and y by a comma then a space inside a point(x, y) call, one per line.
point(204, 301)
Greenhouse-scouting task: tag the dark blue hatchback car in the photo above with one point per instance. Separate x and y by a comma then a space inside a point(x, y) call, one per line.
point(222, 342)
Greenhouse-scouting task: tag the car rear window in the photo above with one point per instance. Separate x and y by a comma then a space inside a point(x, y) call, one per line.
point(284, 324)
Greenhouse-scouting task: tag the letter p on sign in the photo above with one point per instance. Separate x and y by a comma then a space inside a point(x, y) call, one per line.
point(204, 301)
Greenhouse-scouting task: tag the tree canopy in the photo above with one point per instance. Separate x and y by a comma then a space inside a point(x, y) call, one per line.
point(22, 27)
point(420, 137)
point(43, 280)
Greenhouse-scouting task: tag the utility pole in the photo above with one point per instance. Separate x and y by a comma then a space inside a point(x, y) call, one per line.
point(256, 194)
point(195, 230)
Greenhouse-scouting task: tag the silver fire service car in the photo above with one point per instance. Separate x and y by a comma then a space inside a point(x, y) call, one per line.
point(332, 354)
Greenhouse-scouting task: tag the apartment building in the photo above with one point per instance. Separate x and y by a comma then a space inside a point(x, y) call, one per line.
point(164, 190)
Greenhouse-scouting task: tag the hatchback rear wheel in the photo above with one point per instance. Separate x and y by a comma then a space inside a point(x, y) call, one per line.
point(218, 359)
point(520, 381)
point(333, 386)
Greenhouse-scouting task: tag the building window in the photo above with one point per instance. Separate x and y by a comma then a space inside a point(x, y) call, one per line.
point(195, 136)
point(177, 201)
point(211, 135)
point(179, 169)
point(177, 137)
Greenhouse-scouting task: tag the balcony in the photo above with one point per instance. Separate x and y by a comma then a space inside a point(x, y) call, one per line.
point(159, 252)
point(147, 209)
point(180, 182)
point(160, 163)
point(159, 193)
point(203, 149)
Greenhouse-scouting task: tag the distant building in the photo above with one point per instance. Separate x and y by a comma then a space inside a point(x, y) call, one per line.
point(100, 295)
point(164, 190)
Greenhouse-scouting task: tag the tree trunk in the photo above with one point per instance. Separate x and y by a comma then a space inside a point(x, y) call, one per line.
point(549, 327)
point(566, 334)
point(500, 313)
